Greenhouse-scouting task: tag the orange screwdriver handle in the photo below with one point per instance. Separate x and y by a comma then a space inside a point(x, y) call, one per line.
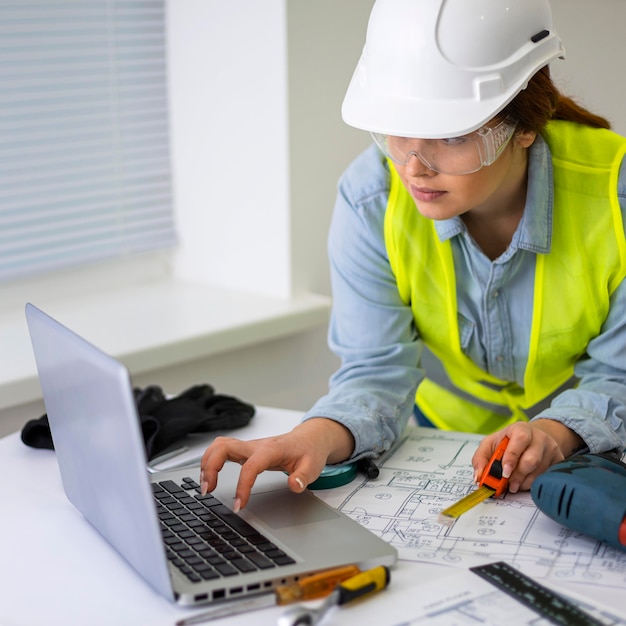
point(492, 476)
point(316, 585)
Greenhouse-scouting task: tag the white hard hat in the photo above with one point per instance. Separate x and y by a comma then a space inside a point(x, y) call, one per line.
point(442, 68)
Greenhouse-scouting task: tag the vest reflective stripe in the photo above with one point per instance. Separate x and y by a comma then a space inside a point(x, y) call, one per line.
point(586, 263)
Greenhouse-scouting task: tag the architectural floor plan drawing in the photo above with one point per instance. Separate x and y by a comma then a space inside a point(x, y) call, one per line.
point(466, 600)
point(429, 470)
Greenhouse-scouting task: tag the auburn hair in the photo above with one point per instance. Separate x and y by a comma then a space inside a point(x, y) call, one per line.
point(541, 102)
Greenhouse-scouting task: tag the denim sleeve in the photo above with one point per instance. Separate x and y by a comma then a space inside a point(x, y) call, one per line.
point(371, 329)
point(596, 408)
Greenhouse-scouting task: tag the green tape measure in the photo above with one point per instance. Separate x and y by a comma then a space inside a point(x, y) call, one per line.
point(545, 602)
point(334, 476)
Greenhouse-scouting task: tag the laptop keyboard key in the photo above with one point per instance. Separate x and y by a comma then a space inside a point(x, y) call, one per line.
point(177, 528)
point(233, 520)
point(190, 483)
point(266, 547)
point(172, 487)
point(206, 539)
point(225, 569)
point(186, 534)
point(207, 499)
point(259, 560)
point(208, 574)
point(178, 547)
point(246, 548)
point(243, 565)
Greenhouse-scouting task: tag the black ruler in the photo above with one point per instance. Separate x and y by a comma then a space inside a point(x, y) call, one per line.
point(540, 599)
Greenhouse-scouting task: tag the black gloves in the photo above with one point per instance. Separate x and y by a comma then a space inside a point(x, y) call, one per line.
point(165, 420)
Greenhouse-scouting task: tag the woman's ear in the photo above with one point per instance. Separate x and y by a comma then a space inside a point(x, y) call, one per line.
point(525, 138)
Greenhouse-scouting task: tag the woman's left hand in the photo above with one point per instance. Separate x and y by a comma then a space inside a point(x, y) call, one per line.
point(532, 448)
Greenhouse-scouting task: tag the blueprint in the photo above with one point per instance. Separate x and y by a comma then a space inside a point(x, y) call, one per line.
point(430, 469)
point(466, 600)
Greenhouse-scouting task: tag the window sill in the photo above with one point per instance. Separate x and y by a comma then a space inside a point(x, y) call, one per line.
point(157, 324)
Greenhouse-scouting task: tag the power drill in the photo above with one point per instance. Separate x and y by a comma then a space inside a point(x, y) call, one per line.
point(586, 493)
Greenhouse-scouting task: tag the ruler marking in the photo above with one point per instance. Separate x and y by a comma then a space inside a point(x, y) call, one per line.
point(540, 599)
point(447, 516)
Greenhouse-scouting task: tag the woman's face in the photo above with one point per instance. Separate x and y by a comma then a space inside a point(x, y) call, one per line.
point(489, 190)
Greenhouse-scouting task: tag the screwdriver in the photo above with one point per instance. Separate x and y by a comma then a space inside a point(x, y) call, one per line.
point(359, 586)
point(311, 587)
point(316, 586)
point(491, 484)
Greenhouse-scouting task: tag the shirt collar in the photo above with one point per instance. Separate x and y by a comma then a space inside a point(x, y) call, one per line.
point(534, 232)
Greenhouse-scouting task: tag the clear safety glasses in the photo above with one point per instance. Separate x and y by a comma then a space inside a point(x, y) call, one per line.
point(454, 155)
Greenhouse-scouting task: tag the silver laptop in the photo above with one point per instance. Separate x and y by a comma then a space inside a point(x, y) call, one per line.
point(192, 550)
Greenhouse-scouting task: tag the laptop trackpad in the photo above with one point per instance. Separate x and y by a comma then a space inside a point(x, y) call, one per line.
point(280, 509)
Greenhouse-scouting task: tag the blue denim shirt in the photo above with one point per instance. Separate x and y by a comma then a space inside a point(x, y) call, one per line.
point(372, 330)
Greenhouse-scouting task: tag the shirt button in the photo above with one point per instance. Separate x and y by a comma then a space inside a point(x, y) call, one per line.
point(499, 358)
point(495, 294)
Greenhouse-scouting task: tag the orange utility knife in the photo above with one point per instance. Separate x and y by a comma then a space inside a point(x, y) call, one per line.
point(491, 484)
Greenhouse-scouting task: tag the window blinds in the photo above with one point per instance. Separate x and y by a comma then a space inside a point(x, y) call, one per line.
point(84, 144)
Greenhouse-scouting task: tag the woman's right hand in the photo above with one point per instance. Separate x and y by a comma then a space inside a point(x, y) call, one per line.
point(533, 447)
point(302, 453)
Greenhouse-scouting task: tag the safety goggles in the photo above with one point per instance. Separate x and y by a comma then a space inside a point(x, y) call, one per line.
point(454, 155)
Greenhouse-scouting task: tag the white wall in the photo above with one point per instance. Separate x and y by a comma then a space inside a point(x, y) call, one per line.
point(255, 178)
point(229, 122)
point(595, 46)
point(257, 138)
point(325, 38)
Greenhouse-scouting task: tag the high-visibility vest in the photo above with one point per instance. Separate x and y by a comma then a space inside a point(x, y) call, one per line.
point(573, 285)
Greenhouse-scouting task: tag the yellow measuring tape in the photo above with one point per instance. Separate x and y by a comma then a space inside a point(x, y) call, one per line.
point(492, 483)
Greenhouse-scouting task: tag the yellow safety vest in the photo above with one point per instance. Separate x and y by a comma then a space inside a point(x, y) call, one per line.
point(573, 284)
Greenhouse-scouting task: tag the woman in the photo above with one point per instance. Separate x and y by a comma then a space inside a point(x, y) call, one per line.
point(487, 226)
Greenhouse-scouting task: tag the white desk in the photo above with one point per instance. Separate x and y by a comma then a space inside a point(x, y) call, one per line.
point(48, 579)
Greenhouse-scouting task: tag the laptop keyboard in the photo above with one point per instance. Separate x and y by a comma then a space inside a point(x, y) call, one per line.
point(205, 540)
